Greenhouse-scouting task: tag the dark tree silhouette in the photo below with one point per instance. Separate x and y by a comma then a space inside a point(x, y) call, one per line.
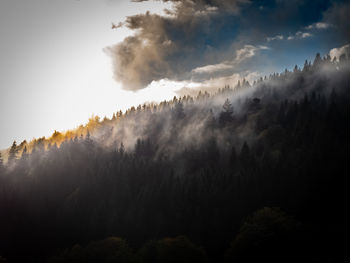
point(13, 153)
point(226, 114)
point(270, 235)
point(172, 250)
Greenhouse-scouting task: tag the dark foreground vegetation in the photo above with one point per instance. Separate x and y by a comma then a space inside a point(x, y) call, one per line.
point(251, 173)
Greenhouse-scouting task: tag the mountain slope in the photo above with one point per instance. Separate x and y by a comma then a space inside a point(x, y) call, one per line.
point(194, 167)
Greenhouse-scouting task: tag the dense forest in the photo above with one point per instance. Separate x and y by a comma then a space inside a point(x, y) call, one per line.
point(252, 172)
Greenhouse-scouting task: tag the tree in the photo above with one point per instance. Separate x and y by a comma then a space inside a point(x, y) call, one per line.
point(121, 149)
point(238, 86)
point(245, 156)
point(226, 115)
point(13, 153)
point(179, 111)
point(233, 158)
point(24, 153)
point(172, 250)
point(113, 249)
point(342, 59)
point(212, 153)
point(210, 121)
point(1, 164)
point(269, 235)
point(296, 69)
point(318, 59)
point(306, 66)
point(88, 141)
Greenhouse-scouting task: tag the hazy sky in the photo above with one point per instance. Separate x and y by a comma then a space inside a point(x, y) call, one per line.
point(61, 62)
point(54, 73)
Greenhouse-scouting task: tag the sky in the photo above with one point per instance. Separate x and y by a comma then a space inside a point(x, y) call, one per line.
point(61, 61)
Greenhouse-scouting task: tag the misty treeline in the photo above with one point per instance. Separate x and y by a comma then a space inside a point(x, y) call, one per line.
point(192, 179)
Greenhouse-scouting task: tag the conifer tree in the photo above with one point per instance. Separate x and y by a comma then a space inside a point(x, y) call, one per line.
point(1, 164)
point(13, 152)
point(226, 114)
point(179, 111)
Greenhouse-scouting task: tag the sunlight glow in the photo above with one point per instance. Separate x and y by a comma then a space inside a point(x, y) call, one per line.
point(61, 75)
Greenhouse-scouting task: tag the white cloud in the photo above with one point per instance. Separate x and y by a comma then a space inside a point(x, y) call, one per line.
point(278, 37)
point(299, 35)
point(212, 85)
point(242, 54)
point(207, 11)
point(319, 25)
point(305, 35)
point(213, 68)
point(252, 76)
point(246, 52)
point(337, 52)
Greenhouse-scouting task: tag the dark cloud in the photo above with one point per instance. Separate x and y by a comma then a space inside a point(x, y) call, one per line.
point(338, 15)
point(167, 46)
point(204, 36)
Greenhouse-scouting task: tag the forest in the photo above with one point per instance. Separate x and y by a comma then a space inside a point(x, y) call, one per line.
point(252, 172)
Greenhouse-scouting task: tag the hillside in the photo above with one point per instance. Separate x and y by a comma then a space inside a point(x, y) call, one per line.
point(256, 170)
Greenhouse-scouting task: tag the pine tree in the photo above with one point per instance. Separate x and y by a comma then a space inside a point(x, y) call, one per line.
point(24, 153)
point(317, 61)
point(1, 164)
point(306, 66)
point(245, 155)
point(210, 122)
point(88, 141)
point(226, 114)
point(13, 153)
point(179, 111)
point(296, 69)
point(121, 149)
point(233, 158)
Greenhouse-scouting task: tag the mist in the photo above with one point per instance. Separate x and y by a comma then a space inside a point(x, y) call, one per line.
point(173, 168)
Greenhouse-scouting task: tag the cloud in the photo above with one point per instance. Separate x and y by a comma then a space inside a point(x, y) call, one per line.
point(242, 54)
point(213, 84)
point(338, 16)
point(212, 68)
point(116, 26)
point(337, 52)
point(318, 25)
point(299, 35)
point(247, 51)
point(168, 46)
point(193, 38)
point(278, 37)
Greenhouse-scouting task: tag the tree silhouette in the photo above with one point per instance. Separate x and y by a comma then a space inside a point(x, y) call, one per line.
point(109, 250)
point(172, 250)
point(13, 153)
point(226, 114)
point(269, 235)
point(179, 111)
point(1, 164)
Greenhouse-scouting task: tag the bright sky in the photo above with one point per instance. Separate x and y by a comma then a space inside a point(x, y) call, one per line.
point(53, 72)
